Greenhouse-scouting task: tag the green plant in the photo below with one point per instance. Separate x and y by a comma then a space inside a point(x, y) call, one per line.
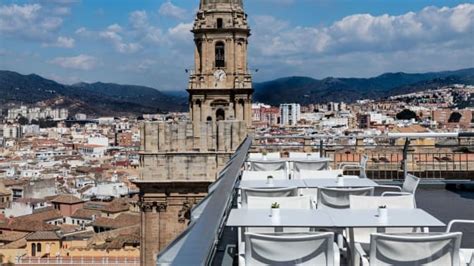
point(275, 205)
point(264, 153)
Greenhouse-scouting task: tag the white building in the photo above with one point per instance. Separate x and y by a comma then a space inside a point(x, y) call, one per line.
point(290, 114)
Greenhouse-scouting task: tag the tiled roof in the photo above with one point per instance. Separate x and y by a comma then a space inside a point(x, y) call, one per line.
point(117, 205)
point(67, 199)
point(43, 235)
point(10, 236)
point(85, 213)
point(123, 220)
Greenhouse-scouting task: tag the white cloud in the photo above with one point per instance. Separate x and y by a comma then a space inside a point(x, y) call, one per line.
point(170, 10)
point(364, 32)
point(181, 32)
point(113, 36)
point(61, 42)
point(80, 62)
point(29, 21)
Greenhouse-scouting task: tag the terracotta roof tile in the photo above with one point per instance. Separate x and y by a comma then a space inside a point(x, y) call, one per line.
point(43, 235)
point(123, 220)
point(67, 199)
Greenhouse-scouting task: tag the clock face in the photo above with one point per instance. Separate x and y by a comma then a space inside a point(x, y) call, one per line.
point(219, 75)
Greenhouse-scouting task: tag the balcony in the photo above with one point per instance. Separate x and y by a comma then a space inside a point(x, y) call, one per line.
point(445, 192)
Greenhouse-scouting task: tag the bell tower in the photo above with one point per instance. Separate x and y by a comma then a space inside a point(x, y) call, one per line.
point(220, 87)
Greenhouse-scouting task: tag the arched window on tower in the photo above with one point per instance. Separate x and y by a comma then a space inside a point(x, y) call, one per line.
point(220, 23)
point(220, 54)
point(220, 115)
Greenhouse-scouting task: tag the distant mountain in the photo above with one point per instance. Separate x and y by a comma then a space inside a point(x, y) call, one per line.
point(94, 98)
point(114, 99)
point(306, 90)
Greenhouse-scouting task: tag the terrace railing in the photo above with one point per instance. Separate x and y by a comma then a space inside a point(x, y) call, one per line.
point(388, 158)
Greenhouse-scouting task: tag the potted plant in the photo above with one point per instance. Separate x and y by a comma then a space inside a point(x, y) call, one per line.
point(275, 210)
point(340, 180)
point(270, 180)
point(382, 213)
point(264, 154)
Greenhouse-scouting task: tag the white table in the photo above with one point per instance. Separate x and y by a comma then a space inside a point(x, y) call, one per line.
point(244, 217)
point(277, 183)
point(350, 218)
point(332, 182)
point(333, 218)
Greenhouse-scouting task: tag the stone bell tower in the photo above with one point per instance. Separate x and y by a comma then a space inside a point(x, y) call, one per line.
point(220, 87)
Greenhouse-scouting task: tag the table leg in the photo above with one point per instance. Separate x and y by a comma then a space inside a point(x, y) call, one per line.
point(352, 250)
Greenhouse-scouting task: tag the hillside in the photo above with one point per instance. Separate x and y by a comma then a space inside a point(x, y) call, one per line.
point(95, 98)
point(307, 90)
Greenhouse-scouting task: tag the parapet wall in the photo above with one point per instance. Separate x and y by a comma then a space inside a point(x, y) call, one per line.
point(171, 151)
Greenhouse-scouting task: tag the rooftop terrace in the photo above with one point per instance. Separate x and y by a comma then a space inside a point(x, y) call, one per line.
point(445, 192)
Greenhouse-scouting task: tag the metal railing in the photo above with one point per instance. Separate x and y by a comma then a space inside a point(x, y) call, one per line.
point(132, 261)
point(388, 158)
point(197, 244)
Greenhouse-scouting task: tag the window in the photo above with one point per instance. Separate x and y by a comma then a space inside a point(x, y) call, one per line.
point(38, 247)
point(220, 115)
point(220, 54)
point(33, 249)
point(219, 23)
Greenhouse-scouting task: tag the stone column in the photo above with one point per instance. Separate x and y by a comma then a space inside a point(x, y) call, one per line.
point(150, 231)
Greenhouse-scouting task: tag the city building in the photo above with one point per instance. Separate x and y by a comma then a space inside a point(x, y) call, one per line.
point(290, 114)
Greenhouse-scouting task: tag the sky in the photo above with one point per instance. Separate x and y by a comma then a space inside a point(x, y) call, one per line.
point(148, 42)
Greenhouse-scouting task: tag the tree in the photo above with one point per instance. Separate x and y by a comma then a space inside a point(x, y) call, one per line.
point(455, 117)
point(406, 114)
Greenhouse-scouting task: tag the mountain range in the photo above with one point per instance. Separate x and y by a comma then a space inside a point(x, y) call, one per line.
point(306, 90)
point(115, 99)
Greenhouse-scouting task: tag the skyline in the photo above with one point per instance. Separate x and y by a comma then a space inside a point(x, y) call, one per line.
point(149, 43)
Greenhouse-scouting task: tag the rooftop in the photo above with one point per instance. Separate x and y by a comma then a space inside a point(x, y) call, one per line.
point(444, 194)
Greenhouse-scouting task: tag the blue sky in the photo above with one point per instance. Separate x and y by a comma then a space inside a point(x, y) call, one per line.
point(148, 42)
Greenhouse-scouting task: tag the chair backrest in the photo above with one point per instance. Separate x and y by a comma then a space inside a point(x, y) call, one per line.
point(273, 155)
point(267, 192)
point(304, 155)
point(338, 198)
point(262, 175)
point(267, 165)
point(296, 202)
point(415, 249)
point(373, 202)
point(363, 166)
point(362, 235)
point(307, 249)
point(309, 165)
point(255, 156)
point(310, 174)
point(410, 184)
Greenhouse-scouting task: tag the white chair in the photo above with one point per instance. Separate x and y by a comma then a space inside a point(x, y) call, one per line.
point(294, 202)
point(311, 174)
point(466, 254)
point(262, 175)
point(267, 165)
point(255, 156)
point(361, 236)
point(314, 165)
point(288, 249)
point(409, 186)
point(266, 192)
point(414, 249)
point(338, 198)
point(361, 166)
point(304, 155)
